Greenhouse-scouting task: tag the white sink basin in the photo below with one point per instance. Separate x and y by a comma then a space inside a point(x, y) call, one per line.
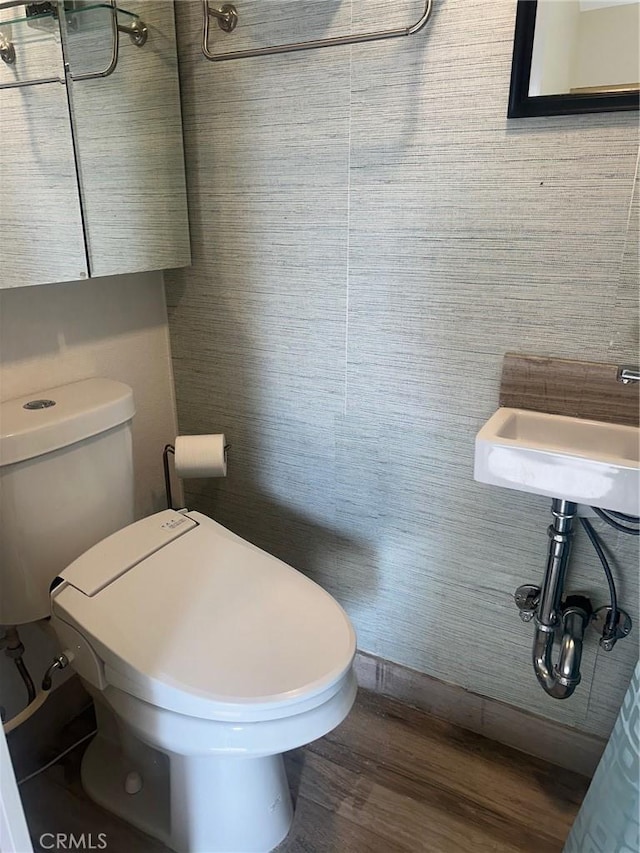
point(588, 462)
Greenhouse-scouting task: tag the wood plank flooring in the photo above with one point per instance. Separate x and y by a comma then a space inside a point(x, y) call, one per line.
point(390, 779)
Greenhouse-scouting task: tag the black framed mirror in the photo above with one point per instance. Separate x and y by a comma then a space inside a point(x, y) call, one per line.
point(575, 56)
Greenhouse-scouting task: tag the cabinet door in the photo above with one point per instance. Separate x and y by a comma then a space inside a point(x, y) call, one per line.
point(41, 234)
point(128, 136)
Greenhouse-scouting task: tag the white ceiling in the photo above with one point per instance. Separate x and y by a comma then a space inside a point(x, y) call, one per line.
point(589, 5)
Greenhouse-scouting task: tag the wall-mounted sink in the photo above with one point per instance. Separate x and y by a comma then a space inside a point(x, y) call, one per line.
point(588, 462)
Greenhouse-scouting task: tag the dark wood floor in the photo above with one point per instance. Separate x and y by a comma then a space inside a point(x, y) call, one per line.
point(389, 779)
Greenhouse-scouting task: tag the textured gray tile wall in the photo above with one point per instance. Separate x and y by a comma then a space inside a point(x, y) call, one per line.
point(370, 235)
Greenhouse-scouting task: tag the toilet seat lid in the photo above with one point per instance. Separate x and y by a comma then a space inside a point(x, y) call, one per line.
point(211, 626)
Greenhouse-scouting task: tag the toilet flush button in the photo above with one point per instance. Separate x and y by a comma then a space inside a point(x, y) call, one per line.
point(39, 404)
point(133, 782)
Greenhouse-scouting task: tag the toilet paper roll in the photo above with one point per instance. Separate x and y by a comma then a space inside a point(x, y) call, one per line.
point(200, 456)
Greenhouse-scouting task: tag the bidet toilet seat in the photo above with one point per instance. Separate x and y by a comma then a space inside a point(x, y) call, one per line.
point(187, 616)
point(206, 658)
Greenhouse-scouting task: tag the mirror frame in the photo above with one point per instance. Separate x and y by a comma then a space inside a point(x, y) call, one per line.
point(522, 105)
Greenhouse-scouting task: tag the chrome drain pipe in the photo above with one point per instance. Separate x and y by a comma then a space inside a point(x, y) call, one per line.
point(551, 616)
point(561, 679)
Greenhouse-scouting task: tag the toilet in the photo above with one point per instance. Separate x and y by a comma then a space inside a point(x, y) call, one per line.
point(207, 658)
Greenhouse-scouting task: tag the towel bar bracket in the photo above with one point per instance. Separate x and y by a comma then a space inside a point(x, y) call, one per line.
point(227, 16)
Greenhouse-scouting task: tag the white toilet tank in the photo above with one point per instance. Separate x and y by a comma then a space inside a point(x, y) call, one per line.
point(66, 482)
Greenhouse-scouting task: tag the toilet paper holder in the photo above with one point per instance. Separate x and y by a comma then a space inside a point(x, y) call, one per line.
point(170, 450)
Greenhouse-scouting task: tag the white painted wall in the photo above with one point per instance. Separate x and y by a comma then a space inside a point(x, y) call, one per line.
point(607, 48)
point(581, 44)
point(114, 327)
point(553, 47)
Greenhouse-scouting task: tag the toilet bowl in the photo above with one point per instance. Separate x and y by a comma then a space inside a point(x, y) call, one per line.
point(208, 658)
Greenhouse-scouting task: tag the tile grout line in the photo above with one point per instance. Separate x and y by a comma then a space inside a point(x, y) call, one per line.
point(348, 268)
point(625, 245)
point(636, 176)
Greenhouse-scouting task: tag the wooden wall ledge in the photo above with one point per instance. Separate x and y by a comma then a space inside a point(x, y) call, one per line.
point(560, 386)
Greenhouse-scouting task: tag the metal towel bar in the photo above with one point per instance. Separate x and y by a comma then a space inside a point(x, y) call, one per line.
point(227, 17)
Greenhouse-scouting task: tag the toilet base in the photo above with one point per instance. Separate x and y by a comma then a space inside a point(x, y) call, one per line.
point(198, 785)
point(104, 771)
point(236, 805)
point(193, 804)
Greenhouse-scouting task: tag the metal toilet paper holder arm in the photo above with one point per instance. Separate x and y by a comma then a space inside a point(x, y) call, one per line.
point(169, 449)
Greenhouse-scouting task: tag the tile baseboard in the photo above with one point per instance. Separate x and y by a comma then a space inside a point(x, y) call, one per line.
point(35, 741)
point(554, 742)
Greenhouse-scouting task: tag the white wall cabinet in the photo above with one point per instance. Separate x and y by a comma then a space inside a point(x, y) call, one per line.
point(92, 176)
